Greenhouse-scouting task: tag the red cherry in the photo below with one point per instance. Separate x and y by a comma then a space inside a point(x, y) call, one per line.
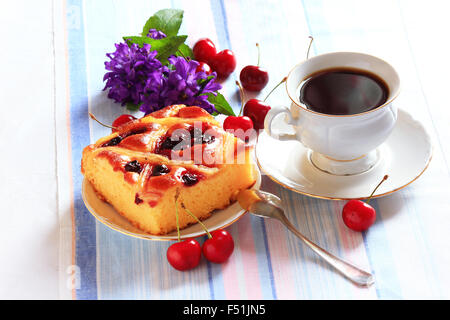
point(254, 78)
point(121, 120)
point(239, 126)
point(204, 49)
point(358, 215)
point(219, 247)
point(184, 255)
point(256, 110)
point(235, 123)
point(223, 63)
point(204, 67)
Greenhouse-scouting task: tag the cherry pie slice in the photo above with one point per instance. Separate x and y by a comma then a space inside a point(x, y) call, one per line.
point(178, 152)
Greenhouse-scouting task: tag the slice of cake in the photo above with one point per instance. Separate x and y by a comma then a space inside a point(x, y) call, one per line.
point(177, 150)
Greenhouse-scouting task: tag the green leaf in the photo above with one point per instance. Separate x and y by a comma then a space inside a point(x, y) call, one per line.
point(135, 39)
point(184, 51)
point(132, 107)
point(166, 20)
point(221, 104)
point(165, 46)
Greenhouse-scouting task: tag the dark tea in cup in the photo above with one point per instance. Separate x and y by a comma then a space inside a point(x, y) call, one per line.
point(343, 91)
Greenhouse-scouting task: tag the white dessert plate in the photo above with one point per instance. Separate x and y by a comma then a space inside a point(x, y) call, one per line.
point(106, 214)
point(405, 155)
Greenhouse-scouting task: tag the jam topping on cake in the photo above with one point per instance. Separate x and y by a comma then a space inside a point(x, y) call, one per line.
point(157, 178)
point(122, 163)
point(133, 166)
point(185, 112)
point(134, 135)
point(189, 142)
point(153, 178)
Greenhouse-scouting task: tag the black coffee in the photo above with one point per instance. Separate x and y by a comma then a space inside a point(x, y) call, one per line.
point(342, 91)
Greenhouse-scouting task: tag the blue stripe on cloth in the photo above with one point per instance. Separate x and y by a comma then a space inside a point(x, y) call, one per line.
point(221, 23)
point(258, 243)
point(210, 282)
point(220, 19)
point(381, 260)
point(215, 281)
point(259, 233)
point(85, 226)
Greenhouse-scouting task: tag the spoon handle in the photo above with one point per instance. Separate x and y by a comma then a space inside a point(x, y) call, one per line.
point(350, 271)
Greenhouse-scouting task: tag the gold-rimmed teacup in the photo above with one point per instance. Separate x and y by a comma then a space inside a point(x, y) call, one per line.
point(339, 144)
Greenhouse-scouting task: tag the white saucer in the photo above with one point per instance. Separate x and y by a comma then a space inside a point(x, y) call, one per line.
point(404, 157)
point(107, 215)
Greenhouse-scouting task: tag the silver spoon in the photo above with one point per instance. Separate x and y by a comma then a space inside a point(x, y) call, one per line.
point(267, 205)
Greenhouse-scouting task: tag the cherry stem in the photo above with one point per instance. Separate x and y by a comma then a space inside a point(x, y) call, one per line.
point(198, 220)
point(284, 80)
point(178, 223)
point(241, 91)
point(309, 47)
point(177, 193)
point(373, 192)
point(259, 53)
point(105, 125)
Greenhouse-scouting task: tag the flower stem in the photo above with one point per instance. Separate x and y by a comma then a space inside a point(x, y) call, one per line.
point(284, 80)
point(105, 125)
point(241, 91)
point(373, 192)
point(198, 220)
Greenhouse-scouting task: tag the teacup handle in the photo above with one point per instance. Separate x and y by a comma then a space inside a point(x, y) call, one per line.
point(271, 115)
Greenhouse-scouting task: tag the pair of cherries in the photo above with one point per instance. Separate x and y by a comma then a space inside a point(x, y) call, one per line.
point(223, 62)
point(186, 255)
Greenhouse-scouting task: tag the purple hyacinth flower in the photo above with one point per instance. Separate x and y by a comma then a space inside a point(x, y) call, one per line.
point(181, 84)
point(135, 76)
point(129, 68)
point(155, 34)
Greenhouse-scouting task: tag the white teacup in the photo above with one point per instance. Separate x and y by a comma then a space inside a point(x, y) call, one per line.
point(340, 144)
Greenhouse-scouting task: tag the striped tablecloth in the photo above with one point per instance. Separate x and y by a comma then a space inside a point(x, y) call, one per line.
point(408, 248)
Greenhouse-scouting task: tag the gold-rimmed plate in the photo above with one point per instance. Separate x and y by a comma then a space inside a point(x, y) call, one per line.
point(405, 155)
point(107, 215)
